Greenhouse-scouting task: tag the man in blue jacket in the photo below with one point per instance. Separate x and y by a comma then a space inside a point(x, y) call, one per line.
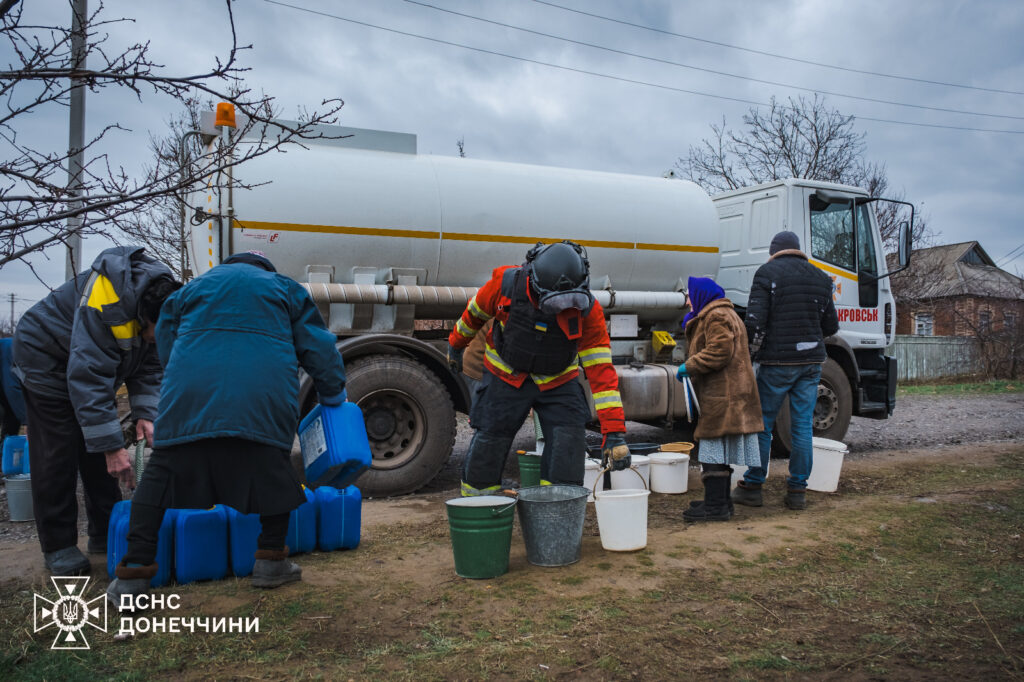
point(789, 314)
point(231, 342)
point(72, 352)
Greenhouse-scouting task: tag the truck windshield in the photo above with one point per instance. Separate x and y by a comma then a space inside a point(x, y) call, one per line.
point(832, 233)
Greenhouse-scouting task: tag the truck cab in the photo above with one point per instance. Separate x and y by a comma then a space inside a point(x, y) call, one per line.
point(839, 233)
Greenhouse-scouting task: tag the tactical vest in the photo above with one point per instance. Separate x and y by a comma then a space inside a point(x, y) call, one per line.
point(530, 341)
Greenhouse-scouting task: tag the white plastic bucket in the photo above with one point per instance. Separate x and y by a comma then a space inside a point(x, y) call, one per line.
point(622, 519)
point(828, 463)
point(626, 480)
point(670, 472)
point(738, 471)
point(591, 475)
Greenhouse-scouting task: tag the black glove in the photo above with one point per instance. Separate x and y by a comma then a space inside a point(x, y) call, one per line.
point(455, 359)
point(615, 451)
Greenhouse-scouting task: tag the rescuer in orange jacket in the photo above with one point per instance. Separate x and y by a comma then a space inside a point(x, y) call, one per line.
point(547, 325)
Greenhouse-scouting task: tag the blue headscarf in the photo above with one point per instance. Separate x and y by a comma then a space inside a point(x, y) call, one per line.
point(702, 290)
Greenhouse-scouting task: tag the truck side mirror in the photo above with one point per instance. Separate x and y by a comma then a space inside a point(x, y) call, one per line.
point(904, 244)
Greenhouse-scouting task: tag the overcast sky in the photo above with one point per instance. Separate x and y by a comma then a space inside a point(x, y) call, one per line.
point(508, 109)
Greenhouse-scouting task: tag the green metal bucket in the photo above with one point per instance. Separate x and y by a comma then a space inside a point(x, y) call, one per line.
point(481, 530)
point(529, 469)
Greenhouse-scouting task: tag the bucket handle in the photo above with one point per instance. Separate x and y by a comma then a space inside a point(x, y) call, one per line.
point(606, 469)
point(495, 511)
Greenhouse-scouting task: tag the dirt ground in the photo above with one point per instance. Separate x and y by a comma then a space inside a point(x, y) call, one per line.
point(412, 613)
point(920, 422)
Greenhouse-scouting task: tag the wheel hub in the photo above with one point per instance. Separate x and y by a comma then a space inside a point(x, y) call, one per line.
point(826, 409)
point(395, 426)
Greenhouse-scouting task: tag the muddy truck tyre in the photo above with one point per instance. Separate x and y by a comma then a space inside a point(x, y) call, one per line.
point(832, 411)
point(410, 421)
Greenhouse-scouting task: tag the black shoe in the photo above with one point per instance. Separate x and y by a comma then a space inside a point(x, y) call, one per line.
point(795, 499)
point(67, 561)
point(748, 495)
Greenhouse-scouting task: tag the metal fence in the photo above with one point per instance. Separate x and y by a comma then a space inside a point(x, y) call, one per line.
point(922, 358)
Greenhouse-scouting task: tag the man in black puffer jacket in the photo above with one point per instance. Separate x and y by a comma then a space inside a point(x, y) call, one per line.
point(789, 314)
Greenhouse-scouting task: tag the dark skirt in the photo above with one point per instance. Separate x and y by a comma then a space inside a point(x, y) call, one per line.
point(251, 477)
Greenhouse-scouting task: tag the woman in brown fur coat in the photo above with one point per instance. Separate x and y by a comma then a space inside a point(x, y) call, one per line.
point(718, 364)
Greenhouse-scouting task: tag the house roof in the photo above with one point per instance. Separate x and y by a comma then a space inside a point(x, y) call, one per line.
point(963, 269)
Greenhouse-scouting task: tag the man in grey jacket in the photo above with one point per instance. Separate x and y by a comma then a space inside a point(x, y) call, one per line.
point(72, 352)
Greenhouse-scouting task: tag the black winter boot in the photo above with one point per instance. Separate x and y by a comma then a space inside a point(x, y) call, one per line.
point(131, 581)
point(273, 569)
point(795, 499)
point(715, 506)
point(748, 494)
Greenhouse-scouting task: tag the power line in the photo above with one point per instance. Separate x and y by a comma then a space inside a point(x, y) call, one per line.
point(706, 70)
point(1010, 256)
point(778, 56)
point(620, 79)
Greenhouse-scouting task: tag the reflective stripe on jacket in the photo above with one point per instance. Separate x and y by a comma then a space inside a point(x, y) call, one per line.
point(593, 348)
point(84, 340)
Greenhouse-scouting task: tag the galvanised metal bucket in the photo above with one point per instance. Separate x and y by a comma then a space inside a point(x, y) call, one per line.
point(19, 497)
point(552, 519)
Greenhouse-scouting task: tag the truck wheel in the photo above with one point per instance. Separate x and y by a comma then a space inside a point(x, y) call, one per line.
point(410, 422)
point(832, 412)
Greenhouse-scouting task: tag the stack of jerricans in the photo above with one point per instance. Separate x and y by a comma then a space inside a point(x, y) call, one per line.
point(209, 544)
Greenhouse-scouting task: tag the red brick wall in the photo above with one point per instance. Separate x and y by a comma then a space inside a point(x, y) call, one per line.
point(959, 315)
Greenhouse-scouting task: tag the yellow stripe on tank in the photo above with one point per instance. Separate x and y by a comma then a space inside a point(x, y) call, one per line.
point(463, 236)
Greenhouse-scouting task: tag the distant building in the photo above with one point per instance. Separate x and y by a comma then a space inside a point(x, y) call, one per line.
point(957, 290)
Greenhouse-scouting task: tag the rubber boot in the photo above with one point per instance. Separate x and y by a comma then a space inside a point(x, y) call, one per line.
point(748, 494)
point(68, 561)
point(716, 501)
point(130, 580)
point(795, 499)
point(273, 569)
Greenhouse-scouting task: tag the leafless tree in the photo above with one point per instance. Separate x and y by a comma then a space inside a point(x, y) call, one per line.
point(461, 144)
point(803, 138)
point(36, 199)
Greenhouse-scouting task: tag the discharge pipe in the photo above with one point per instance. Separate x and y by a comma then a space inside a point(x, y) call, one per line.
point(442, 301)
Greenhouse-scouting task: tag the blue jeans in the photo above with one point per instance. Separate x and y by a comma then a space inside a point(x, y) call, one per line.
point(800, 383)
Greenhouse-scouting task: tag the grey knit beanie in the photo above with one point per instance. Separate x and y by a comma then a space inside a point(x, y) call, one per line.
point(782, 241)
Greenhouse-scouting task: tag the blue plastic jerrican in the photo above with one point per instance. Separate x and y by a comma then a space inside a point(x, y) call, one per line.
point(201, 544)
point(15, 457)
point(302, 525)
point(243, 532)
point(338, 517)
point(335, 449)
point(117, 542)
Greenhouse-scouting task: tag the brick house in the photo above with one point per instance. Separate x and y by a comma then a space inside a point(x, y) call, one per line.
point(957, 290)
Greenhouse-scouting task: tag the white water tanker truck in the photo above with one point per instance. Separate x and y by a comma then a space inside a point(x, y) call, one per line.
point(384, 237)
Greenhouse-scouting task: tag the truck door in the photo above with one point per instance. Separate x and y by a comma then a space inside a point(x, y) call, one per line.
point(867, 264)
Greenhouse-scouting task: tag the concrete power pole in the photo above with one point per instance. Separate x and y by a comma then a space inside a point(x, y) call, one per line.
point(76, 135)
point(12, 313)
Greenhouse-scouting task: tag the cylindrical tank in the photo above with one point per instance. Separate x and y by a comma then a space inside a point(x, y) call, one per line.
point(450, 221)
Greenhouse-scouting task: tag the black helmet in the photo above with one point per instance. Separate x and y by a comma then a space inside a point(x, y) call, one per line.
point(560, 276)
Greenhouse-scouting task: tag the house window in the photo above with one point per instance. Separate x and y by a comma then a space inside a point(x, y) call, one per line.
point(984, 321)
point(924, 324)
point(1010, 321)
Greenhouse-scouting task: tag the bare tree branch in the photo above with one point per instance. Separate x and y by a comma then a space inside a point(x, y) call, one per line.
point(35, 200)
point(803, 138)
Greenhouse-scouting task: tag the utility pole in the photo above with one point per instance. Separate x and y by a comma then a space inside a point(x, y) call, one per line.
point(76, 135)
point(12, 313)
